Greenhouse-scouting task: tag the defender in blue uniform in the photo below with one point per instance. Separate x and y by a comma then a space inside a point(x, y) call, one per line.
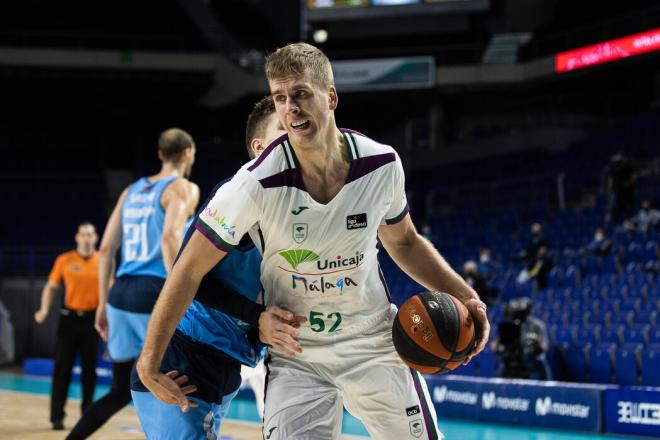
point(205, 354)
point(148, 223)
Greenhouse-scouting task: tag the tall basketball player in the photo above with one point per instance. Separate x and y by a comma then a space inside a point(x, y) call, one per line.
point(148, 222)
point(319, 199)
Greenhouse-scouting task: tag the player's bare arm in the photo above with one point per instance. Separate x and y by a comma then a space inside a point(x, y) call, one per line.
point(197, 258)
point(109, 244)
point(179, 201)
point(417, 257)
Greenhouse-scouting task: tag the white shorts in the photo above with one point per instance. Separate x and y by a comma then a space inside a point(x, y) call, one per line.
point(305, 400)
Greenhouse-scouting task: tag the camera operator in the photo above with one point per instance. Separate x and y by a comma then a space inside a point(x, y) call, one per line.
point(522, 343)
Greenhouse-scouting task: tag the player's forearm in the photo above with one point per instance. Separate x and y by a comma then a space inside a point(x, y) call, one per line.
point(106, 264)
point(435, 273)
point(177, 294)
point(170, 244)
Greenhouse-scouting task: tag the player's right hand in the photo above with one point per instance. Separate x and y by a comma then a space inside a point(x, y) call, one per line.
point(101, 322)
point(279, 328)
point(40, 316)
point(168, 388)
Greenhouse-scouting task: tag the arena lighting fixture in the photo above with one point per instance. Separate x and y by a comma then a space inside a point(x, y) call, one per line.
point(320, 36)
point(608, 51)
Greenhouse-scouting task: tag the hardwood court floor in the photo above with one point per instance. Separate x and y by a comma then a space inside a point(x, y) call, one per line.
point(25, 416)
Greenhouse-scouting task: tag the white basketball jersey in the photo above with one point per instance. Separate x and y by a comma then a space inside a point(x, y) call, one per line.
point(319, 261)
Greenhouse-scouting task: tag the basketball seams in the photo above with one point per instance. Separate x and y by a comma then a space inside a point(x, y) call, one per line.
point(417, 355)
point(451, 334)
point(438, 350)
point(458, 324)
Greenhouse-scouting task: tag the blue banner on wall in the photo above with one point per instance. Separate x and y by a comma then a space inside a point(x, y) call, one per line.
point(526, 402)
point(633, 411)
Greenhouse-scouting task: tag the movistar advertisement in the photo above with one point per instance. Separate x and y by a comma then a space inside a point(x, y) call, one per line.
point(525, 402)
point(633, 411)
point(608, 51)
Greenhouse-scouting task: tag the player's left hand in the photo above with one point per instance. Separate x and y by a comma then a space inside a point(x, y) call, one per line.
point(481, 326)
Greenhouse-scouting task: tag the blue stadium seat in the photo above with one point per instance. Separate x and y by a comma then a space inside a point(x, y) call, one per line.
point(565, 335)
point(645, 317)
point(654, 335)
point(575, 362)
point(589, 334)
point(612, 335)
point(487, 363)
point(651, 366)
point(626, 364)
point(634, 253)
point(600, 363)
point(636, 336)
point(621, 318)
point(632, 304)
point(651, 251)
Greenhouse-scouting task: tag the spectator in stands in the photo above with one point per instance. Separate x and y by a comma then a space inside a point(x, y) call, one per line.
point(522, 343)
point(472, 276)
point(541, 269)
point(600, 246)
point(78, 270)
point(486, 266)
point(538, 259)
point(647, 218)
point(619, 179)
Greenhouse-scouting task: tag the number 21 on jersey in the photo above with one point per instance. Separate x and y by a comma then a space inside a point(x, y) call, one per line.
point(137, 247)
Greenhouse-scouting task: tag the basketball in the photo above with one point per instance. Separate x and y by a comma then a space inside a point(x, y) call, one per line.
point(433, 332)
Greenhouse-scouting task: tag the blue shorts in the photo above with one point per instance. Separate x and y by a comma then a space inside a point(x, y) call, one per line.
point(126, 333)
point(161, 421)
point(128, 310)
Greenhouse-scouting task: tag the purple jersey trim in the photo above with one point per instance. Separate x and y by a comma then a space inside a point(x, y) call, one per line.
point(399, 217)
point(431, 430)
point(214, 238)
point(290, 177)
point(362, 166)
point(267, 151)
point(348, 130)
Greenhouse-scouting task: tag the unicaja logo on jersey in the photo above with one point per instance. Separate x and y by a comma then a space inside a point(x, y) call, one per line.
point(295, 257)
point(213, 213)
point(340, 262)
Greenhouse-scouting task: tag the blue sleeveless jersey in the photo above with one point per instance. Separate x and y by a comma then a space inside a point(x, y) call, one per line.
point(142, 219)
point(239, 270)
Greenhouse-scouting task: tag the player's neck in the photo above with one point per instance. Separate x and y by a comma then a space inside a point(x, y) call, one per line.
point(167, 170)
point(327, 151)
point(324, 167)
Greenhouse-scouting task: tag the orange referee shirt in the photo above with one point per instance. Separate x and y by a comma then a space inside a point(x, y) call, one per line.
point(81, 280)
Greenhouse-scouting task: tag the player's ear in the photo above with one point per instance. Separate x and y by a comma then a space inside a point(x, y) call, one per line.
point(333, 98)
point(257, 146)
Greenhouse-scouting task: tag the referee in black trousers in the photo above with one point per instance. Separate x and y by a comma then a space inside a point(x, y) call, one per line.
point(76, 335)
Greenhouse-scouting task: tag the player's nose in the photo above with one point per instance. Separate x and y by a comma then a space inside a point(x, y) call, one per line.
point(292, 106)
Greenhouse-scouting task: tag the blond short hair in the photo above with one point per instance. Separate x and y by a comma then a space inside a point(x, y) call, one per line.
point(299, 59)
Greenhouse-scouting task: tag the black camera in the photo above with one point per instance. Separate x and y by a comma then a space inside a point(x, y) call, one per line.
point(516, 345)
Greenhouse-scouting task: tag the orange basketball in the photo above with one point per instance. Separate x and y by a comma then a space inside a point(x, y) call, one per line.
point(433, 332)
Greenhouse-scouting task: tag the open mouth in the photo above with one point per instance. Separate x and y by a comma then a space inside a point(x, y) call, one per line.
point(302, 125)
